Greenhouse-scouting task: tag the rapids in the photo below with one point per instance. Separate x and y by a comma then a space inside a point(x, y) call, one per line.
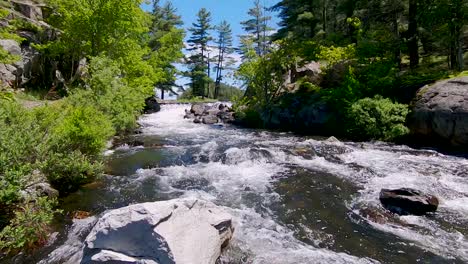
point(294, 199)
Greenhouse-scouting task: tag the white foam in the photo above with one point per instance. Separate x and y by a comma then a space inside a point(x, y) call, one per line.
point(252, 161)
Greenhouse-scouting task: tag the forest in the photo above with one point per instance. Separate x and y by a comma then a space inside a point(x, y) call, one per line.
point(97, 61)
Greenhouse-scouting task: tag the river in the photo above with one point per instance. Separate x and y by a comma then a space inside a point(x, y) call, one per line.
point(294, 199)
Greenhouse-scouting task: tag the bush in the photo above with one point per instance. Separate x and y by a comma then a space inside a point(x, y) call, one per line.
point(82, 129)
point(28, 229)
point(377, 118)
point(111, 95)
point(68, 171)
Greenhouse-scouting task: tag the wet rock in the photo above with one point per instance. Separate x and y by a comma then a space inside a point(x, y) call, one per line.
point(210, 120)
point(197, 109)
point(178, 231)
point(407, 201)
point(188, 114)
point(197, 121)
point(332, 140)
point(441, 112)
point(226, 117)
point(152, 105)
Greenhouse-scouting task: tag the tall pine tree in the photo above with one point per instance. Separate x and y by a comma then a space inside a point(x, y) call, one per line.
point(198, 61)
point(224, 45)
point(166, 43)
point(257, 27)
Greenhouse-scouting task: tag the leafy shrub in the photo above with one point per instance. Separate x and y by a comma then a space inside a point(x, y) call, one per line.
point(377, 118)
point(111, 95)
point(28, 229)
point(82, 129)
point(249, 116)
point(68, 171)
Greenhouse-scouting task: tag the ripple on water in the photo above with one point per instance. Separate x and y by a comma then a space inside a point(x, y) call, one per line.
point(296, 199)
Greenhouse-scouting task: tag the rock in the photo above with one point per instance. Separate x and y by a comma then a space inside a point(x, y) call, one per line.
point(407, 201)
point(43, 189)
point(30, 9)
point(210, 120)
point(39, 187)
point(177, 231)
point(332, 139)
point(310, 72)
point(222, 107)
point(197, 121)
point(71, 252)
point(189, 116)
point(11, 46)
point(152, 105)
point(226, 117)
point(23, 70)
point(197, 109)
point(441, 112)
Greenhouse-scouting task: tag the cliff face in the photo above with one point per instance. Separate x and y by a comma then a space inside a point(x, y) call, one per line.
point(32, 30)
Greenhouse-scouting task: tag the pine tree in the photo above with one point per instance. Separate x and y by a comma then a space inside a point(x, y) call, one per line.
point(198, 61)
point(257, 27)
point(166, 43)
point(224, 45)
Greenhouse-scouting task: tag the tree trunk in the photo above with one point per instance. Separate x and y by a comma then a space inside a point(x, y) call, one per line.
point(162, 93)
point(461, 62)
point(396, 31)
point(413, 46)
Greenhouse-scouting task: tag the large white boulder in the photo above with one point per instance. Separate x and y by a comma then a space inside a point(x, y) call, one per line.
point(185, 231)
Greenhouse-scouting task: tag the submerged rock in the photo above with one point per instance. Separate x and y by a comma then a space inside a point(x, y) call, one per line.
point(407, 201)
point(177, 231)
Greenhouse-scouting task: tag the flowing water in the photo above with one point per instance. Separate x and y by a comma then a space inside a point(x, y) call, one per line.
point(294, 199)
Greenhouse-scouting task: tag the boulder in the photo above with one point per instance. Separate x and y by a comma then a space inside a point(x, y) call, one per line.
point(11, 46)
point(210, 119)
point(211, 111)
point(177, 231)
point(407, 201)
point(310, 72)
point(42, 189)
point(39, 187)
point(152, 105)
point(21, 71)
point(30, 9)
point(197, 120)
point(197, 109)
point(226, 117)
point(441, 112)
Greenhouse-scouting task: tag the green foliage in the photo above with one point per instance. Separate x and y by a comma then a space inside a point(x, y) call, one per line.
point(377, 118)
point(68, 171)
point(111, 94)
point(198, 62)
point(28, 229)
point(82, 129)
point(333, 55)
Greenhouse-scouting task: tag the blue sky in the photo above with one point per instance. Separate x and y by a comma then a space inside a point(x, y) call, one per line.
point(234, 11)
